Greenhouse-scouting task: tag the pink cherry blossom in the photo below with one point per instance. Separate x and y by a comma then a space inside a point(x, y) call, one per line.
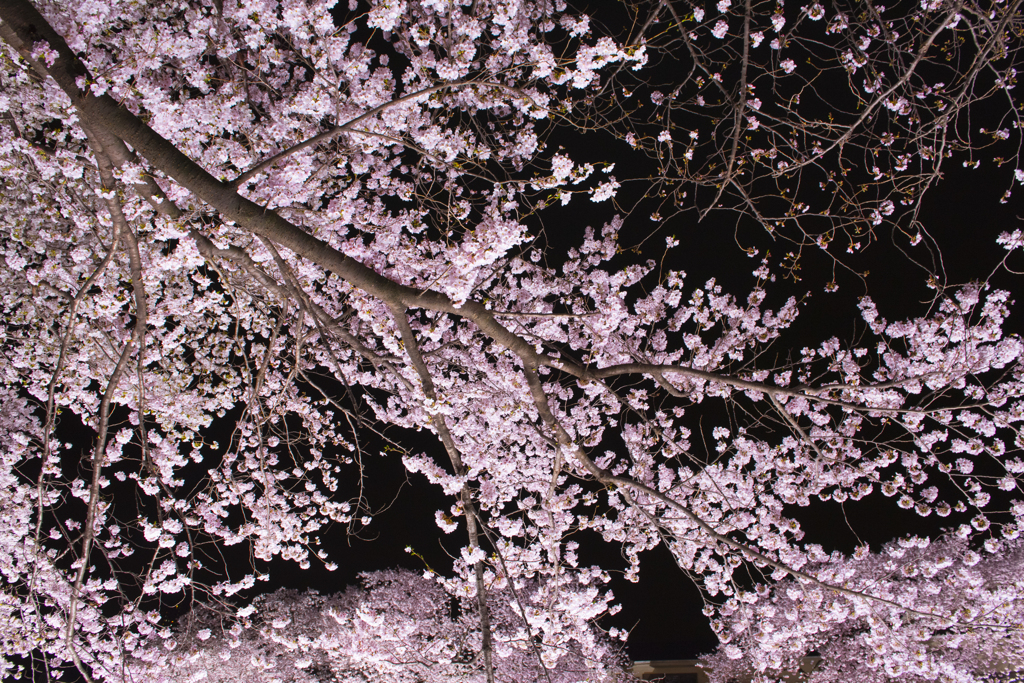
point(250, 246)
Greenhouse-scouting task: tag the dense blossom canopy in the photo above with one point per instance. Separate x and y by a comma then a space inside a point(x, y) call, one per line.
point(398, 626)
point(245, 241)
point(949, 584)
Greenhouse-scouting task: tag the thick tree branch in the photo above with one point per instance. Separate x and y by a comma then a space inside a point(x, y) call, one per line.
point(437, 420)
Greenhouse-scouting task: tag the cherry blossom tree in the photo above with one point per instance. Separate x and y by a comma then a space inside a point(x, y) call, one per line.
point(311, 223)
point(398, 626)
point(949, 585)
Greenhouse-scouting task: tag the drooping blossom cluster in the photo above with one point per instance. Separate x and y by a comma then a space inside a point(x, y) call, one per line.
point(238, 237)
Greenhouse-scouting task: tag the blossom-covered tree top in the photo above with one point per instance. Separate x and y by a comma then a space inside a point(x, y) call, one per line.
point(397, 626)
point(239, 236)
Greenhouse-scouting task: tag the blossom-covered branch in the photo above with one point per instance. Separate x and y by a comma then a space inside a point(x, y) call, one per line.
point(209, 329)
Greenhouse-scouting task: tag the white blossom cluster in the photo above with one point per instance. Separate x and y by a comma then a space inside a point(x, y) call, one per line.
point(226, 373)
